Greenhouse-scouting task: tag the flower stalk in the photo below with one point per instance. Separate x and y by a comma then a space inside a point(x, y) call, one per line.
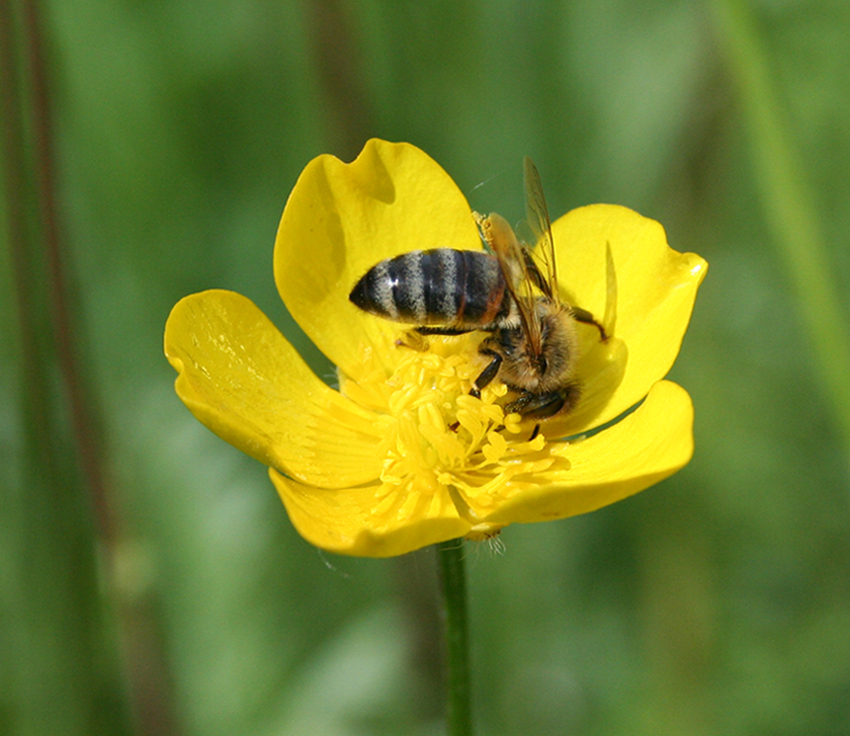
point(453, 582)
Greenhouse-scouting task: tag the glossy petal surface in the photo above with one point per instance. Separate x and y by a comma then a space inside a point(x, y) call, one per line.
point(356, 522)
point(242, 379)
point(617, 264)
point(341, 219)
point(647, 446)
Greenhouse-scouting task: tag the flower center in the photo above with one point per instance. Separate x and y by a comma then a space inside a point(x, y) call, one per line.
point(437, 427)
point(440, 444)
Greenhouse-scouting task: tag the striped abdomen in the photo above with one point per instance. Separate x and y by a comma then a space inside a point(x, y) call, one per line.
point(456, 288)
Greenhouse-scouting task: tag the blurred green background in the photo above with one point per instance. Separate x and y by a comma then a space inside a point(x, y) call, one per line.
point(716, 603)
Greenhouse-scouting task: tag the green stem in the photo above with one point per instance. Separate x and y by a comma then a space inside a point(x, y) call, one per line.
point(453, 580)
point(789, 206)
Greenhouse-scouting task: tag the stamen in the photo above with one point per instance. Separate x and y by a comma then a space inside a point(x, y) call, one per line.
point(442, 442)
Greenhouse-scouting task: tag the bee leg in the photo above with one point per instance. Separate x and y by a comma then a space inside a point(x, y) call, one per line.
point(544, 406)
point(413, 340)
point(536, 406)
point(518, 405)
point(582, 315)
point(488, 374)
point(447, 331)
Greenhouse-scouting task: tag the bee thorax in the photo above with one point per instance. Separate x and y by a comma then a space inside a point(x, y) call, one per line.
point(552, 367)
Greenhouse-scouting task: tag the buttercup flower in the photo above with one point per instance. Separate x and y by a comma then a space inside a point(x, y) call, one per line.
point(401, 456)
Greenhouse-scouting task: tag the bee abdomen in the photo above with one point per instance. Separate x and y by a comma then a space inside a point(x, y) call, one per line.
point(443, 286)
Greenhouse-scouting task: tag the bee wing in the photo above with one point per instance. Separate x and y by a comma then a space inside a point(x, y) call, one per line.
point(541, 254)
point(515, 262)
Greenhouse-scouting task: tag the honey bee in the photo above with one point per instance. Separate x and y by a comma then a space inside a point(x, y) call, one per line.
point(510, 292)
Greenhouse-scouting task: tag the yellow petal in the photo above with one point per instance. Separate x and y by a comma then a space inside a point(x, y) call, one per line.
point(647, 446)
point(354, 521)
point(241, 378)
point(341, 219)
point(617, 264)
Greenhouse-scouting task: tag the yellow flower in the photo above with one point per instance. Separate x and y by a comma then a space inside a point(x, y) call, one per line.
point(402, 456)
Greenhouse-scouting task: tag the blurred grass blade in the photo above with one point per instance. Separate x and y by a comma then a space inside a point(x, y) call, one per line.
point(789, 206)
point(61, 663)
